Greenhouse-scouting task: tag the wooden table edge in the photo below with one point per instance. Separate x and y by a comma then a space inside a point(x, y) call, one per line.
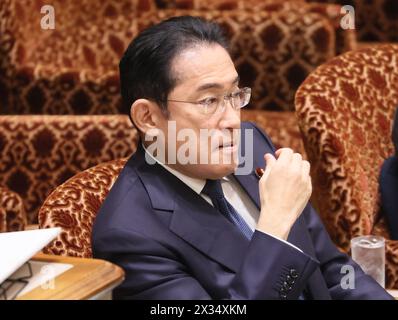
point(84, 273)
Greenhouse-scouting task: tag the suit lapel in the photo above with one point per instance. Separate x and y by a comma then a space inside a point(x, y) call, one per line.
point(249, 183)
point(206, 229)
point(193, 219)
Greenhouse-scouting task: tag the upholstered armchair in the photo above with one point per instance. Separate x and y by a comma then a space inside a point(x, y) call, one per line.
point(273, 50)
point(73, 69)
point(38, 152)
point(375, 20)
point(12, 211)
point(346, 40)
point(345, 110)
point(73, 207)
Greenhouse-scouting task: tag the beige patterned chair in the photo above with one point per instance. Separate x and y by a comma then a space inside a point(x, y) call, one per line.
point(73, 207)
point(345, 39)
point(375, 20)
point(345, 110)
point(74, 68)
point(12, 211)
point(38, 153)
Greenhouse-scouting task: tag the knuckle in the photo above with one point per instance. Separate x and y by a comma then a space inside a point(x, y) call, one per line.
point(287, 150)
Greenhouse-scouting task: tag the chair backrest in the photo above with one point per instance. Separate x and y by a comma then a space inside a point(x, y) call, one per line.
point(38, 153)
point(12, 211)
point(345, 110)
point(375, 20)
point(3, 223)
point(345, 39)
point(73, 207)
point(274, 49)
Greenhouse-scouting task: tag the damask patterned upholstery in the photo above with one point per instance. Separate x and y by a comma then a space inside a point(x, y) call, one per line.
point(375, 20)
point(41, 152)
point(74, 68)
point(280, 126)
point(273, 51)
point(71, 69)
point(3, 221)
point(345, 39)
point(73, 205)
point(12, 211)
point(345, 110)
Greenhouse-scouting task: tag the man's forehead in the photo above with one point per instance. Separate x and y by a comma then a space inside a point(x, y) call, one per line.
point(204, 63)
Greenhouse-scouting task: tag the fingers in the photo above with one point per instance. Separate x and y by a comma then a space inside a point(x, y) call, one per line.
point(270, 161)
point(279, 151)
point(305, 175)
point(297, 157)
point(297, 161)
point(287, 157)
point(284, 156)
point(305, 169)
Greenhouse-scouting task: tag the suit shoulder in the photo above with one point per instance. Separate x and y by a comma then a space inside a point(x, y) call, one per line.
point(390, 167)
point(258, 133)
point(126, 192)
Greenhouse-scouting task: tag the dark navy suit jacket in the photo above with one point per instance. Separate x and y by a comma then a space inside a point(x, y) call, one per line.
point(389, 194)
point(172, 244)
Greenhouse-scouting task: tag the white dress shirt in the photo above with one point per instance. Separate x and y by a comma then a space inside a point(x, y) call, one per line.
point(233, 192)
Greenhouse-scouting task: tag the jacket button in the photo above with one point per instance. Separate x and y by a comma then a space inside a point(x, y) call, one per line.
point(283, 296)
point(290, 279)
point(287, 285)
point(293, 273)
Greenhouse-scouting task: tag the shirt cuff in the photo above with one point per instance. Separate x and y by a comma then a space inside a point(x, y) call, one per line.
point(292, 245)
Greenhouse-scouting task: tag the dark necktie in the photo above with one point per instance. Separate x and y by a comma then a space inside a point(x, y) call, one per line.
point(213, 189)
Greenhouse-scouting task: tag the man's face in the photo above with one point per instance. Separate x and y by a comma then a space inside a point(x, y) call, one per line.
point(202, 72)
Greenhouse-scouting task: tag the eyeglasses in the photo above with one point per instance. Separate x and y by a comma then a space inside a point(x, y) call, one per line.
point(212, 105)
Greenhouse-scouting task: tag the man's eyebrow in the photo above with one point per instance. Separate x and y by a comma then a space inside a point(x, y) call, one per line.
point(215, 85)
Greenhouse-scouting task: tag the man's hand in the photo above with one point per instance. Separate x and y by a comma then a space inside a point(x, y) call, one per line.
point(285, 189)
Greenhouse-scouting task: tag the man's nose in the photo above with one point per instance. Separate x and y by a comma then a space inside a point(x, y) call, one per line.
point(230, 117)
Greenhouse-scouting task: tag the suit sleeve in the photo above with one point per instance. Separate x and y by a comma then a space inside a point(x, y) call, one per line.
point(332, 260)
point(153, 271)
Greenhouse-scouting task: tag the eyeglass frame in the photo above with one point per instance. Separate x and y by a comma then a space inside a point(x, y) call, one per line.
point(228, 97)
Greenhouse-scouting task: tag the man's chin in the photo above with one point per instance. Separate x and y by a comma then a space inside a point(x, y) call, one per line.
point(221, 170)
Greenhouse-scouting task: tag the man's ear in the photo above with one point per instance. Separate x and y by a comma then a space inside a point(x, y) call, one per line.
point(146, 116)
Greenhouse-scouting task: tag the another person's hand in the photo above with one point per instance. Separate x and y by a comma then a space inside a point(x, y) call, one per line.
point(285, 189)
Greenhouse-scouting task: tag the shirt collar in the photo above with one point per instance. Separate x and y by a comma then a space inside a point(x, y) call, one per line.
point(195, 184)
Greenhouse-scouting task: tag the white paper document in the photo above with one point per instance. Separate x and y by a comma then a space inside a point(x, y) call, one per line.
point(16, 248)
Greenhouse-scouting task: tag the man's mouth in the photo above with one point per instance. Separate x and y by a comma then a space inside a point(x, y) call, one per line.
point(228, 146)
